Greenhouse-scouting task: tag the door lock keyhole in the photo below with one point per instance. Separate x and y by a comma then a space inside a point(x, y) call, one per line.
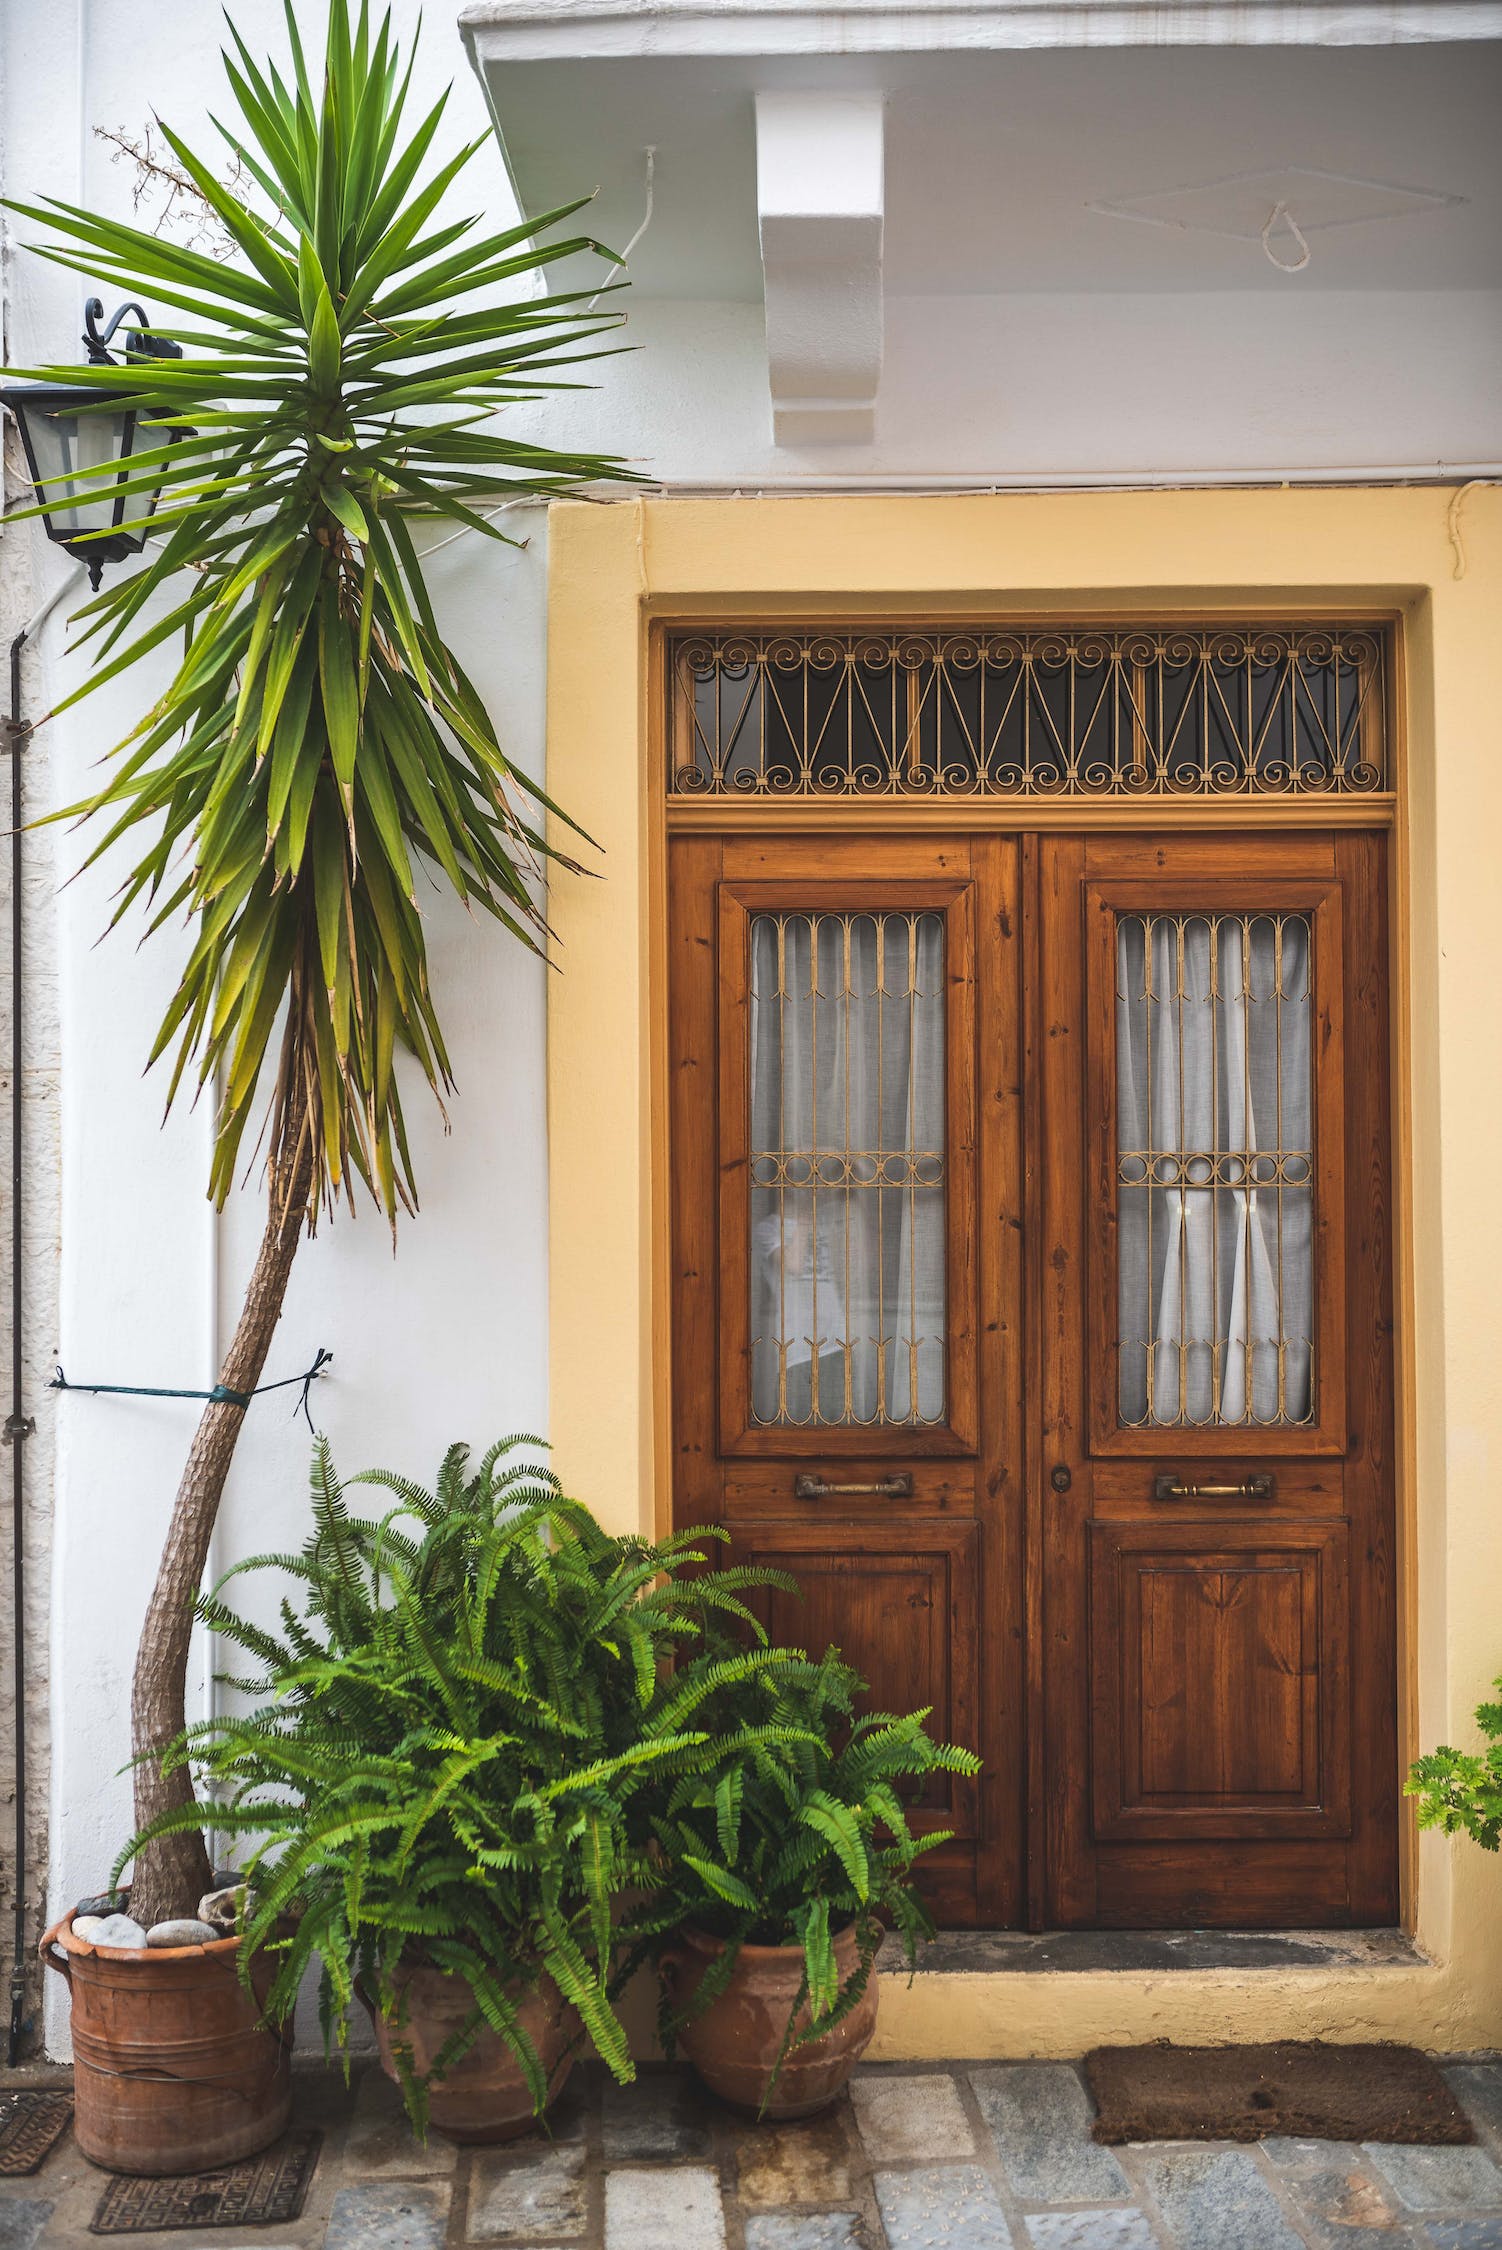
point(1060, 1478)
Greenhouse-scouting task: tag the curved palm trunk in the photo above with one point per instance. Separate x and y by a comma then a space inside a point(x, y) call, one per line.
point(172, 1873)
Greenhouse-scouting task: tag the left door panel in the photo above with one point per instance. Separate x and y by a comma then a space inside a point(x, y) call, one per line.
point(845, 1198)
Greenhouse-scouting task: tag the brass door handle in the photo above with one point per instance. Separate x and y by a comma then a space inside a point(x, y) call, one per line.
point(898, 1487)
point(1255, 1488)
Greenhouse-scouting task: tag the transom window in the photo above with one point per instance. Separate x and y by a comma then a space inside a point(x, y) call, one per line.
point(1083, 712)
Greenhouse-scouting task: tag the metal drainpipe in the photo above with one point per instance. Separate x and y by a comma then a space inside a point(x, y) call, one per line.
point(18, 1424)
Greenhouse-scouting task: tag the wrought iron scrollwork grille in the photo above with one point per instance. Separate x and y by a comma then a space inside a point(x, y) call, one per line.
point(1093, 712)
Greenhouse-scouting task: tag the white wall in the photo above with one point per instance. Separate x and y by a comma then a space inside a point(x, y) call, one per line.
point(1056, 387)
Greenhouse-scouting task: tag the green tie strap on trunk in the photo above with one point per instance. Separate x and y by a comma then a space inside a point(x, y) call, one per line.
point(220, 1395)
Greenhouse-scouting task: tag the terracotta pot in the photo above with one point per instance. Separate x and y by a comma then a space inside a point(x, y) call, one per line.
point(174, 2067)
point(484, 2097)
point(734, 2045)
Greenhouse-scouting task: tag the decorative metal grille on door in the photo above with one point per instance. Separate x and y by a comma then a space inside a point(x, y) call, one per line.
point(1215, 1170)
point(1087, 712)
point(847, 1268)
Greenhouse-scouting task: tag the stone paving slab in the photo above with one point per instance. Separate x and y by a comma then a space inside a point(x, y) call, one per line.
point(808, 2162)
point(1216, 2198)
point(916, 2119)
point(994, 2156)
point(1440, 2179)
point(657, 2121)
point(22, 2218)
point(1345, 2208)
point(942, 2207)
point(379, 2143)
point(1478, 2088)
point(1089, 2230)
point(1039, 2115)
point(651, 2209)
point(834, 2230)
point(389, 2216)
point(520, 2196)
point(1465, 2234)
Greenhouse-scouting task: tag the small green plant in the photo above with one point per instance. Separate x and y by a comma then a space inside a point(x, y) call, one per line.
point(452, 1746)
point(1458, 1789)
point(791, 1828)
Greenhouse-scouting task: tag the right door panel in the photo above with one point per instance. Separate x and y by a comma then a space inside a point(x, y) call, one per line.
point(1215, 1328)
point(1219, 1677)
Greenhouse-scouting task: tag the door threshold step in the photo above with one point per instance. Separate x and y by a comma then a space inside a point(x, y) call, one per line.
point(1066, 1952)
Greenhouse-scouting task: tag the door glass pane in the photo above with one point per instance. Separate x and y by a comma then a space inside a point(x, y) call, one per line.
point(1215, 1193)
point(847, 1170)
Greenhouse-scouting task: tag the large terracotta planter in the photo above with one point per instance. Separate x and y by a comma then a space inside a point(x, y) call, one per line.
point(484, 2097)
point(174, 2067)
point(734, 2045)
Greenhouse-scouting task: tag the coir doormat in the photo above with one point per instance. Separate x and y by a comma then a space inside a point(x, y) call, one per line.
point(1310, 2089)
point(31, 2125)
point(260, 2191)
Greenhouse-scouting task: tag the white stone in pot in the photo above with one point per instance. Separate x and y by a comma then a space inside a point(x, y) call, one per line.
point(187, 1931)
point(119, 1930)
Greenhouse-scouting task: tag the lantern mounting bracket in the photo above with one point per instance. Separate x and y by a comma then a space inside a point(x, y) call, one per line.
point(97, 344)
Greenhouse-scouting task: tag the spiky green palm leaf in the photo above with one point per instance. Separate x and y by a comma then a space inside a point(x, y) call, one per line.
point(319, 757)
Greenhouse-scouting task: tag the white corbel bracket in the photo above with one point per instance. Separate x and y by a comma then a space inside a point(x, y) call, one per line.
point(819, 201)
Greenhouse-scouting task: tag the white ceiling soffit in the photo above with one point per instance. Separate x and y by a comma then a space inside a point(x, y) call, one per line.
point(994, 163)
point(996, 166)
point(1236, 207)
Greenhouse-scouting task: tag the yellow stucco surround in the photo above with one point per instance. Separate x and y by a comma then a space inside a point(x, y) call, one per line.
point(1433, 558)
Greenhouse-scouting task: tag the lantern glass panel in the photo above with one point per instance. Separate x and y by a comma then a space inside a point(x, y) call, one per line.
point(64, 442)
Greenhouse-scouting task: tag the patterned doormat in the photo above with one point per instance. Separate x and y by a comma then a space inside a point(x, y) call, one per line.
point(31, 2125)
point(260, 2191)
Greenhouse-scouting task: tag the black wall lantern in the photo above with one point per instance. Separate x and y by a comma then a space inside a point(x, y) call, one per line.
point(72, 432)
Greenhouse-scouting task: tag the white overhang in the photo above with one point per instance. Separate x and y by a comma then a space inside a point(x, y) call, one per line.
point(824, 160)
point(539, 30)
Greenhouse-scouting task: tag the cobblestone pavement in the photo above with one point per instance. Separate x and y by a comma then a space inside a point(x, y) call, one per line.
point(993, 2156)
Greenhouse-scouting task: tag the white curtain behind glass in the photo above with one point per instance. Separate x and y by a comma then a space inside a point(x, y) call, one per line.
point(1215, 1174)
point(847, 1168)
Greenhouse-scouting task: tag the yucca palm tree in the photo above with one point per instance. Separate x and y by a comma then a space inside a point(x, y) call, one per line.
point(319, 752)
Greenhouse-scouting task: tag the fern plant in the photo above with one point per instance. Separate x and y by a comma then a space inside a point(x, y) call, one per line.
point(1461, 1789)
point(789, 1827)
point(455, 1741)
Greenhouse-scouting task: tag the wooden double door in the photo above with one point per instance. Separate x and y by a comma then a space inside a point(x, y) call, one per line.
point(1031, 1305)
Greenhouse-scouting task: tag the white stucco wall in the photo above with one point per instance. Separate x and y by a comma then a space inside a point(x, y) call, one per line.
point(1065, 388)
point(447, 1339)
